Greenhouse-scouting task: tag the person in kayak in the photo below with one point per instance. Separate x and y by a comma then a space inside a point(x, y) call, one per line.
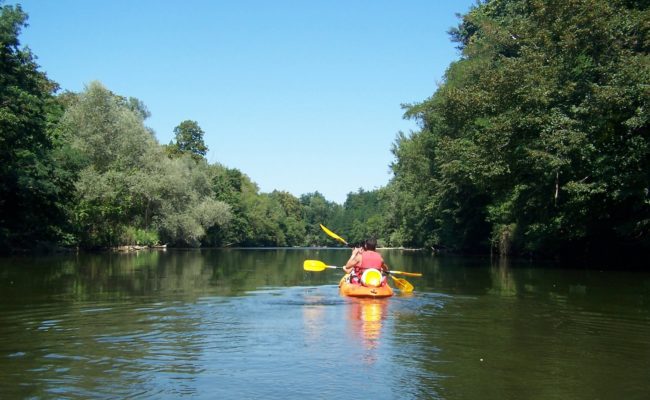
point(364, 258)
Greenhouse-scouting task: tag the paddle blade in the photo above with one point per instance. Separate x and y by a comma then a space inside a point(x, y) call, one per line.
point(333, 235)
point(314, 265)
point(403, 285)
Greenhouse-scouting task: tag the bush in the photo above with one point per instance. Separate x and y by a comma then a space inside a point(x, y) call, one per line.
point(140, 237)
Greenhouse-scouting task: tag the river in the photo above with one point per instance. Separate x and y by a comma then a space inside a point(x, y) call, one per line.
point(252, 324)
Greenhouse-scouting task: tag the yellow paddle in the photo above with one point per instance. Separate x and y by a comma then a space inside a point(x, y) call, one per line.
point(334, 235)
point(405, 273)
point(318, 266)
point(340, 239)
point(403, 285)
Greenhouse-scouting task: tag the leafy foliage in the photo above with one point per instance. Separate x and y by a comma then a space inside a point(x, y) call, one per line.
point(538, 135)
point(32, 186)
point(189, 140)
point(126, 181)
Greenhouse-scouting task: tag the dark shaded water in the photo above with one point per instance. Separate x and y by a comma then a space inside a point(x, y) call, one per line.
point(253, 324)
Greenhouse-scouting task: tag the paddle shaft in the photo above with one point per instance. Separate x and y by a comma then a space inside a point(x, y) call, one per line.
point(388, 272)
point(333, 267)
point(405, 273)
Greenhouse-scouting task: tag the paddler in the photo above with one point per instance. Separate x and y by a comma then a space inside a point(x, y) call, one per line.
point(364, 258)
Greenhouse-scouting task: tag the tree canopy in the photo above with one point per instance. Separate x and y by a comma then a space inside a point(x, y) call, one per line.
point(537, 141)
point(32, 188)
point(188, 140)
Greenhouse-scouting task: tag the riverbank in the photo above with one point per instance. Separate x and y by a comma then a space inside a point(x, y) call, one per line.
point(128, 248)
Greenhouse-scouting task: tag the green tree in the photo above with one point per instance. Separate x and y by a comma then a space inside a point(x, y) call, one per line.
point(188, 140)
point(32, 187)
point(112, 145)
point(127, 183)
point(318, 210)
point(290, 215)
point(231, 186)
point(538, 138)
point(363, 216)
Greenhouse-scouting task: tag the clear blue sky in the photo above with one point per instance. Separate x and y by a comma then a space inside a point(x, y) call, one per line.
point(301, 96)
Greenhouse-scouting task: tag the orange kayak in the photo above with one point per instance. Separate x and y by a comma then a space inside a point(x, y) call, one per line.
point(357, 290)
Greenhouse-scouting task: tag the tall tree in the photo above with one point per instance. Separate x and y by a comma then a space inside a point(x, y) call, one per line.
point(30, 184)
point(188, 140)
point(538, 137)
point(126, 182)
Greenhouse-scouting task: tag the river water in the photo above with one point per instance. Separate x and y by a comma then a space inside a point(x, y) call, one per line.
point(252, 324)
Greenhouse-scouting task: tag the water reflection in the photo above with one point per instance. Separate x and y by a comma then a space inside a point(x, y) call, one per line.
point(366, 317)
point(313, 315)
point(503, 281)
point(253, 324)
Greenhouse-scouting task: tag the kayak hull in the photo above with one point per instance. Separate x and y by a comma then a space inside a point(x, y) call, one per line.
point(354, 290)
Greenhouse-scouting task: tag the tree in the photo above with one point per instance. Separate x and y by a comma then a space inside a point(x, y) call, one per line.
point(538, 138)
point(189, 140)
point(127, 183)
point(290, 219)
point(231, 186)
point(363, 217)
point(32, 188)
point(317, 210)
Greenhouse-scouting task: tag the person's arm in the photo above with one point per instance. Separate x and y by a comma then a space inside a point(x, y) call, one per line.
point(384, 266)
point(354, 260)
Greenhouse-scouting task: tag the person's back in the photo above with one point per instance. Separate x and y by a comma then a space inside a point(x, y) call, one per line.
point(363, 259)
point(370, 259)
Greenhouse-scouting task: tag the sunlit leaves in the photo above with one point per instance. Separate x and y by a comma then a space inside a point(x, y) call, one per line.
point(188, 140)
point(126, 180)
point(540, 130)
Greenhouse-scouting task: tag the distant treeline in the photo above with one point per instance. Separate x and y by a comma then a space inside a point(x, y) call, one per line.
point(535, 142)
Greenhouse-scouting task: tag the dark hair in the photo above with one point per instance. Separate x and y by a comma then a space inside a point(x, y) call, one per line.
point(370, 244)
